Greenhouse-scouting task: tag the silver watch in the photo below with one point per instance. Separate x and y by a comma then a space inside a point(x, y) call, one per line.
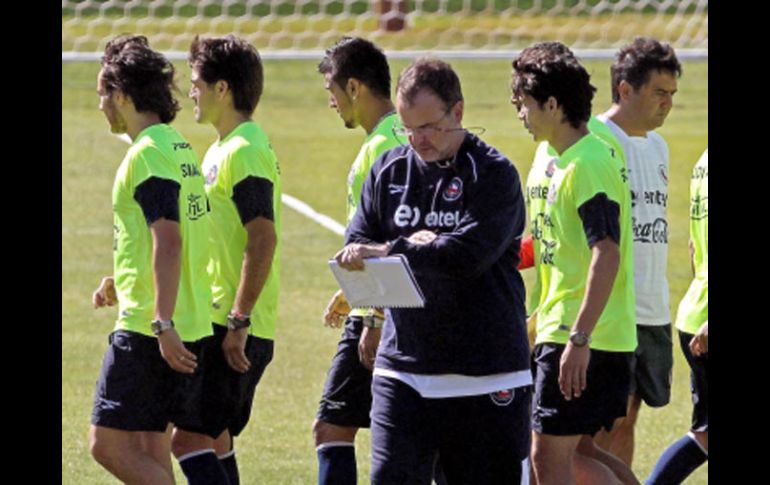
point(579, 338)
point(373, 321)
point(160, 326)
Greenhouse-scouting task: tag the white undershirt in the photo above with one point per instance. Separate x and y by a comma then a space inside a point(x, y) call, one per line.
point(647, 160)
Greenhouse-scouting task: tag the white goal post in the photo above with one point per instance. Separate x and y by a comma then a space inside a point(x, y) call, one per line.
point(449, 28)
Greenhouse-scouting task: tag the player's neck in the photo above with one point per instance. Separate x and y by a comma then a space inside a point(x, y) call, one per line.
point(229, 121)
point(566, 135)
point(139, 121)
point(378, 109)
point(625, 120)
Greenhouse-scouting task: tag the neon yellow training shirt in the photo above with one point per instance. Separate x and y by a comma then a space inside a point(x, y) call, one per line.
point(160, 151)
point(587, 168)
point(694, 307)
point(245, 152)
point(538, 180)
point(377, 142)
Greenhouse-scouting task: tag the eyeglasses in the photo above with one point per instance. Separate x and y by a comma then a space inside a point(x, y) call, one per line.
point(432, 128)
point(426, 129)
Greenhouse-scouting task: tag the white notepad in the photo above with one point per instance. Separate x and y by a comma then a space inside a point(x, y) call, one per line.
point(384, 283)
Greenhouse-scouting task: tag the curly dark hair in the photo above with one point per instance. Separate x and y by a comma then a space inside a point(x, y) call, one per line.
point(636, 61)
point(233, 60)
point(357, 58)
point(436, 75)
point(551, 69)
point(144, 75)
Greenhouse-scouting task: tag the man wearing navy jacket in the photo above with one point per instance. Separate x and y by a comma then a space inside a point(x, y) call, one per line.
point(452, 378)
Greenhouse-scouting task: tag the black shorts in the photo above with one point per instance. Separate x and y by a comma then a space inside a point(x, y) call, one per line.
point(480, 439)
point(651, 365)
point(138, 391)
point(347, 395)
point(604, 399)
point(227, 394)
point(699, 384)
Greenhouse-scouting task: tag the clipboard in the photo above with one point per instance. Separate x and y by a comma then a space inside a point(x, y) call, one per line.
point(386, 282)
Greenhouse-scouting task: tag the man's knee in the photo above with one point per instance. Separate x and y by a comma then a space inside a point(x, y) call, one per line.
point(590, 471)
point(549, 451)
point(104, 450)
point(702, 437)
point(101, 452)
point(224, 443)
point(552, 465)
point(184, 442)
point(325, 432)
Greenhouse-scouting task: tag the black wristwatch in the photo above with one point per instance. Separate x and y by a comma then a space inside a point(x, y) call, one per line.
point(160, 326)
point(579, 338)
point(236, 320)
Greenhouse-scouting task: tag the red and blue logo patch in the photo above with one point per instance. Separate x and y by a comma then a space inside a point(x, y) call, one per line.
point(454, 190)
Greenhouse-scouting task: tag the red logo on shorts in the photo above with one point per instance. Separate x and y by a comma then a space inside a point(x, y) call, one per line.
point(503, 397)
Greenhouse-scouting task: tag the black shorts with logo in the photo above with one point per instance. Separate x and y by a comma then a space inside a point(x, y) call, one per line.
point(481, 439)
point(604, 399)
point(347, 395)
point(138, 391)
point(228, 395)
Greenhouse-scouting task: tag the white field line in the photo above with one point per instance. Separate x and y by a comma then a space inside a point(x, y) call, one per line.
point(313, 215)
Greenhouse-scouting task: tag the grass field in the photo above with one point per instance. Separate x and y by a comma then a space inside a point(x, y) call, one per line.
point(315, 152)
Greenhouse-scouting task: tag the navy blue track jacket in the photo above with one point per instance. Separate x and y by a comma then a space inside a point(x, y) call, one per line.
point(474, 319)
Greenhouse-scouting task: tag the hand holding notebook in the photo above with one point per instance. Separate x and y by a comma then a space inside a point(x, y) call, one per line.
point(386, 282)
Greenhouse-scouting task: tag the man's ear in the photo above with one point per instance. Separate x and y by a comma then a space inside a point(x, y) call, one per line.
point(457, 111)
point(625, 89)
point(221, 88)
point(119, 97)
point(353, 88)
point(551, 104)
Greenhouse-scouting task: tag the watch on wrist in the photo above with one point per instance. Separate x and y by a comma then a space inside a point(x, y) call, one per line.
point(579, 338)
point(237, 320)
point(373, 321)
point(159, 326)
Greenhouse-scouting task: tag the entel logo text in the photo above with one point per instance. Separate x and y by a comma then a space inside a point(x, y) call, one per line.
point(410, 216)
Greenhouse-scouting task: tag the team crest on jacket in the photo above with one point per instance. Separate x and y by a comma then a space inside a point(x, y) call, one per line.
point(503, 397)
point(454, 190)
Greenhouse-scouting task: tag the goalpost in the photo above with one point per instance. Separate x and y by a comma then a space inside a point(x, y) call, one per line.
point(404, 28)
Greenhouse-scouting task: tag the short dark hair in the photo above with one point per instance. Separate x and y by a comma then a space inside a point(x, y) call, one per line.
point(144, 75)
point(550, 69)
point(433, 74)
point(233, 60)
point(354, 57)
point(636, 61)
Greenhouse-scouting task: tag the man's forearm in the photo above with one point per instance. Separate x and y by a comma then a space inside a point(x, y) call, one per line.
point(166, 266)
point(257, 261)
point(605, 261)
